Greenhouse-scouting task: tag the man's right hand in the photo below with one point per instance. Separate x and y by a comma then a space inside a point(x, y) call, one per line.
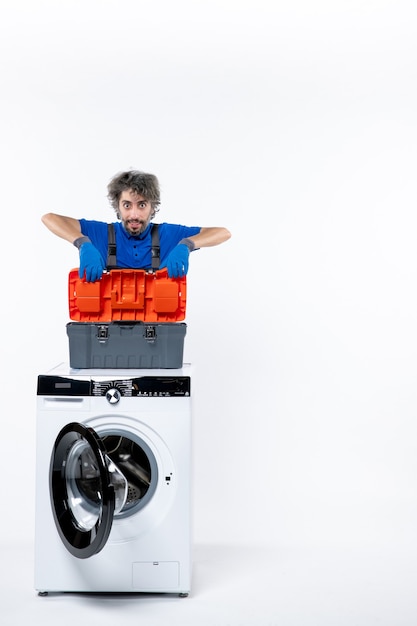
point(91, 263)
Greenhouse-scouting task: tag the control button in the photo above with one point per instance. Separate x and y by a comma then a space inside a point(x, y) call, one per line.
point(113, 395)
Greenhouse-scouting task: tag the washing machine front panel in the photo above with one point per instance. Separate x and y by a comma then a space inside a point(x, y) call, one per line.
point(150, 532)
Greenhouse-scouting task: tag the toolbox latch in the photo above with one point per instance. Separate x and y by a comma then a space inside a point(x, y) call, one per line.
point(150, 334)
point(102, 333)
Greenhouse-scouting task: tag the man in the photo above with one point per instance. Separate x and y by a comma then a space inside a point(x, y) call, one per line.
point(135, 197)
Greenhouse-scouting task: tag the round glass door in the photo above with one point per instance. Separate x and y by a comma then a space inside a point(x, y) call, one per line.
point(86, 490)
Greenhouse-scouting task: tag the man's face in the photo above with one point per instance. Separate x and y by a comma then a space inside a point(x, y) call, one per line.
point(135, 212)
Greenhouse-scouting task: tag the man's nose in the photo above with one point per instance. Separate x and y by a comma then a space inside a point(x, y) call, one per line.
point(136, 211)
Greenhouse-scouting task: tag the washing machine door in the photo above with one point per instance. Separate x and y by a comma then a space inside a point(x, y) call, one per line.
point(81, 489)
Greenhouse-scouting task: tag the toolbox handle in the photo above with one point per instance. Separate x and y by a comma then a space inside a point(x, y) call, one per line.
point(127, 304)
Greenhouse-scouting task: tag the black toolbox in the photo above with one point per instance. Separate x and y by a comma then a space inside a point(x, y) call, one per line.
point(126, 345)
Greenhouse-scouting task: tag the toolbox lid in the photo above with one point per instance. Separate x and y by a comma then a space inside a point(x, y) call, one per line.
point(127, 295)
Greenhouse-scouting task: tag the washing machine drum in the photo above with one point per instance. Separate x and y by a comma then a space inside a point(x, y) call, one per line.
point(88, 488)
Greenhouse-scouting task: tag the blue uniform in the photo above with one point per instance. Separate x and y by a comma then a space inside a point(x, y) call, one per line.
point(135, 251)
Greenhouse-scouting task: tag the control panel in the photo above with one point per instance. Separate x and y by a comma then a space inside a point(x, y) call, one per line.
point(137, 386)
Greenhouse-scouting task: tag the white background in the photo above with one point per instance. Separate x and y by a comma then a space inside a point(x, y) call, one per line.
point(293, 124)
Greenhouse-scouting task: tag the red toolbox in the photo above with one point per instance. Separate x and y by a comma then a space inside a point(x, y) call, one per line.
point(127, 295)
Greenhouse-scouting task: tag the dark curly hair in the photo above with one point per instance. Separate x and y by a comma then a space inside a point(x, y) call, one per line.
point(146, 185)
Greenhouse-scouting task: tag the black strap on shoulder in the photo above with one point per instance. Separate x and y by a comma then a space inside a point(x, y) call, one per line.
point(155, 247)
point(111, 247)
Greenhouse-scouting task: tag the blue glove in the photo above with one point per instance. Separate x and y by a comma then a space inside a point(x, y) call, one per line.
point(91, 263)
point(177, 261)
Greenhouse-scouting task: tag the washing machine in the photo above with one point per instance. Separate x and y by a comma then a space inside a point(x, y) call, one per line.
point(113, 481)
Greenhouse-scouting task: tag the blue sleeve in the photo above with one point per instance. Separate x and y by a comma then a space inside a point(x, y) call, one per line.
point(171, 234)
point(97, 232)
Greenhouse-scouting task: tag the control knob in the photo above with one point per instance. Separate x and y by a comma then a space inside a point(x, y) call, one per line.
point(113, 395)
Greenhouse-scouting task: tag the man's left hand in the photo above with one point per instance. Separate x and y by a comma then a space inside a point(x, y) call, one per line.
point(177, 261)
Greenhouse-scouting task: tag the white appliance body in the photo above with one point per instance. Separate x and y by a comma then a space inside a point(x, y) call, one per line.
point(120, 522)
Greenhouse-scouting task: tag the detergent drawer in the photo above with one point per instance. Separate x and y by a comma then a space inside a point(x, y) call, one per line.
point(126, 345)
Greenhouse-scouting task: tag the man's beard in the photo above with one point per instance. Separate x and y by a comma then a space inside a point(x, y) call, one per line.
point(140, 226)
